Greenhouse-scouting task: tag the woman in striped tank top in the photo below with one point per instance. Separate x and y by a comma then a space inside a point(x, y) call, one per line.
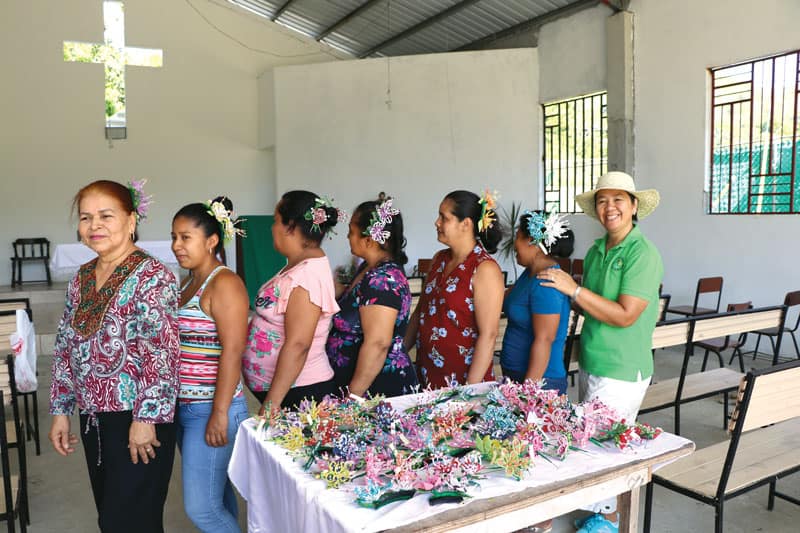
point(212, 320)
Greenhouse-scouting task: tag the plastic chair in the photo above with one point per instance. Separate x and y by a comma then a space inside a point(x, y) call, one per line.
point(791, 299)
point(704, 286)
point(30, 250)
point(721, 344)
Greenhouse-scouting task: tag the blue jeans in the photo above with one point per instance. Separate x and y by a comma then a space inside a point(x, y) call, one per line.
point(208, 496)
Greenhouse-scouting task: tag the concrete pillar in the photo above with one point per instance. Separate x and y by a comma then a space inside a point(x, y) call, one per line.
point(619, 72)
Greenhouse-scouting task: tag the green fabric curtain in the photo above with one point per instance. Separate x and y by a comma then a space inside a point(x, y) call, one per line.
point(259, 258)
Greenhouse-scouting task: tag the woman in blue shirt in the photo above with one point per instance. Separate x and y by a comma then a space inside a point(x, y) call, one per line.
point(533, 344)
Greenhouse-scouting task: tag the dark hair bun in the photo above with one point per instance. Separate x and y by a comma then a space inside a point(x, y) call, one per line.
point(333, 217)
point(224, 200)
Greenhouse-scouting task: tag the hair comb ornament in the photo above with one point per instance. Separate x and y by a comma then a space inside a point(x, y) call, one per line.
point(381, 216)
point(141, 201)
point(226, 219)
point(488, 201)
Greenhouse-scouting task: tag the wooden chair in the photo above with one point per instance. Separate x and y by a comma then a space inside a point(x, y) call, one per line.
point(501, 331)
point(26, 251)
point(577, 270)
point(720, 344)
point(9, 326)
point(705, 286)
point(423, 266)
point(762, 448)
point(564, 263)
point(791, 299)
point(572, 344)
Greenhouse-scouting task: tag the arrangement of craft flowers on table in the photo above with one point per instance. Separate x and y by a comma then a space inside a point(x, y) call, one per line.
point(446, 442)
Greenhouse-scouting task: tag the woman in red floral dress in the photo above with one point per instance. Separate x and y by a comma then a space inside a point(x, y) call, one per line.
point(456, 321)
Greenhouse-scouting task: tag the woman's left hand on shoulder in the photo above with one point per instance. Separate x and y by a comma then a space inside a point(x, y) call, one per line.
point(557, 279)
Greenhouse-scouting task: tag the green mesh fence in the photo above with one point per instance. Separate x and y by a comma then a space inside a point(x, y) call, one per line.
point(743, 182)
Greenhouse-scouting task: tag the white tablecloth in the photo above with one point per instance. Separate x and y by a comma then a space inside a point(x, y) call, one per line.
point(67, 258)
point(282, 497)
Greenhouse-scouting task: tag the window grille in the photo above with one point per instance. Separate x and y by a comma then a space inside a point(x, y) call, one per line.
point(575, 149)
point(754, 149)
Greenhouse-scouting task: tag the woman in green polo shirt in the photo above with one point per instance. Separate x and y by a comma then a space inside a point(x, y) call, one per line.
point(619, 298)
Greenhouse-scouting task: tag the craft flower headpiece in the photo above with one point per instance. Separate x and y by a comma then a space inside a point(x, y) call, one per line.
point(317, 213)
point(382, 216)
point(545, 230)
point(141, 201)
point(226, 219)
point(488, 201)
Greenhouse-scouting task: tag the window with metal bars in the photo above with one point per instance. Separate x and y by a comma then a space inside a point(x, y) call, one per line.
point(754, 137)
point(575, 149)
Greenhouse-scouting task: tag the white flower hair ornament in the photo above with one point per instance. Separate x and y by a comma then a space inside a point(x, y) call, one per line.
point(226, 219)
point(545, 230)
point(382, 215)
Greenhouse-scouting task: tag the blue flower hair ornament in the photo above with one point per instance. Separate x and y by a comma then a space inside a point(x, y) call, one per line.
point(545, 230)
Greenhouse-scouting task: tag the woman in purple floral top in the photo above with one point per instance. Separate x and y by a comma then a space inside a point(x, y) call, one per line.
point(365, 345)
point(116, 358)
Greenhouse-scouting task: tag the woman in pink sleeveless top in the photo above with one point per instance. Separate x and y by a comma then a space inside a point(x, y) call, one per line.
point(456, 321)
point(285, 361)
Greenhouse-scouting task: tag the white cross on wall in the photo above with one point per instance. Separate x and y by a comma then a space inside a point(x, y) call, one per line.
point(115, 56)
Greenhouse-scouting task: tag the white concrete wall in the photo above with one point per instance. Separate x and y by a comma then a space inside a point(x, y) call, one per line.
point(572, 55)
point(572, 59)
point(192, 125)
point(467, 120)
point(675, 43)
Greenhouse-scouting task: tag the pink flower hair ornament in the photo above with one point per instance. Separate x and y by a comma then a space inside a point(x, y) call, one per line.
point(141, 201)
point(317, 214)
point(382, 216)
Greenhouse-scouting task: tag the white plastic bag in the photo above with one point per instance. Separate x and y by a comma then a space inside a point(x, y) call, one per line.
point(23, 343)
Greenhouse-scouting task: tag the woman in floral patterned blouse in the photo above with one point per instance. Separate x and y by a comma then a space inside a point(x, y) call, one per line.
point(365, 345)
point(116, 358)
point(457, 318)
point(285, 360)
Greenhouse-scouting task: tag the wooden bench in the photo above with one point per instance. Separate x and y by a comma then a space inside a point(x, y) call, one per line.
point(13, 434)
point(762, 447)
point(688, 387)
point(415, 286)
point(12, 304)
point(31, 412)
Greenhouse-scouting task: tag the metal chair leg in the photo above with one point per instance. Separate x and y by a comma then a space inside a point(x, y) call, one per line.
point(796, 348)
point(771, 499)
point(718, 517)
point(738, 352)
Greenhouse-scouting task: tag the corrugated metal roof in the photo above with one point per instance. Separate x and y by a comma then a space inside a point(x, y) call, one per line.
point(365, 28)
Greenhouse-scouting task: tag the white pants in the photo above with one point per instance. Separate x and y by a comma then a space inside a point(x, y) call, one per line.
point(625, 397)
